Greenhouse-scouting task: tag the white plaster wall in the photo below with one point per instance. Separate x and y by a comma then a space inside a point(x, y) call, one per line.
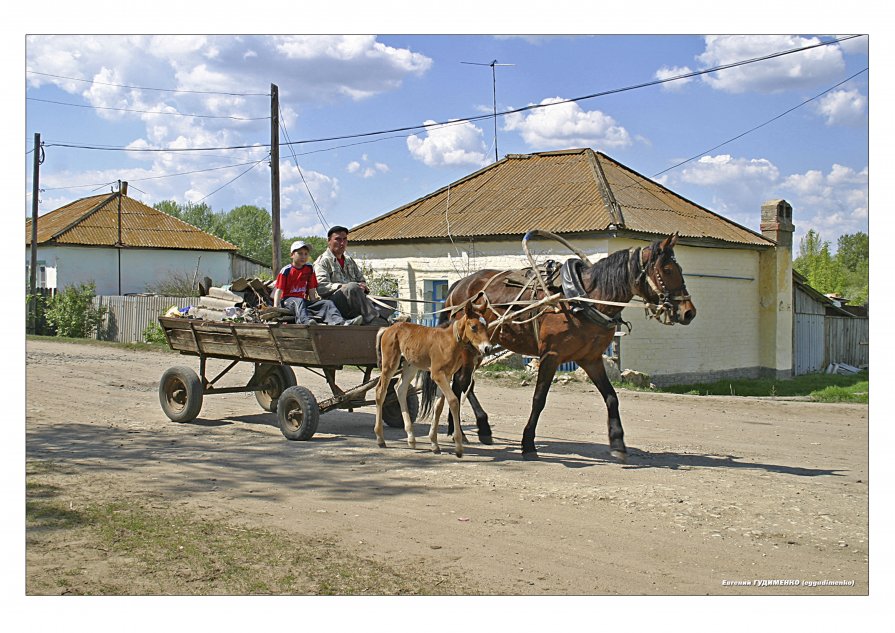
point(724, 284)
point(725, 334)
point(68, 265)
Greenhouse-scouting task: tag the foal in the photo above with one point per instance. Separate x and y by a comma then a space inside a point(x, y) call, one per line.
point(440, 351)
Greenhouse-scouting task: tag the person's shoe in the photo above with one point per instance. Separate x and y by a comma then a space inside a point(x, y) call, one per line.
point(311, 323)
point(358, 320)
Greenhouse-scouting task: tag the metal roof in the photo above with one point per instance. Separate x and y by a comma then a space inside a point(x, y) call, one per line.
point(569, 191)
point(93, 221)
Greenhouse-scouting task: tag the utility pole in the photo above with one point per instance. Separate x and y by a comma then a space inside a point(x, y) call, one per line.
point(275, 175)
point(35, 194)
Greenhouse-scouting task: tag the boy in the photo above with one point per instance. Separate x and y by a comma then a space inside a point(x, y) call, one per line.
point(296, 288)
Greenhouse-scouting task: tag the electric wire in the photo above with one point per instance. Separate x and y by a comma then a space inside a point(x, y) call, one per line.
point(198, 116)
point(233, 180)
point(488, 116)
point(178, 90)
point(317, 209)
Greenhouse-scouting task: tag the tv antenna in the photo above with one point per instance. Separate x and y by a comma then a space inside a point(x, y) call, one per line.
point(494, 86)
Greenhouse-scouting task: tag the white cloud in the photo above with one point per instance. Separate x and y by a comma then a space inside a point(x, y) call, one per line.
point(668, 72)
point(566, 125)
point(844, 107)
point(809, 68)
point(832, 203)
point(352, 167)
point(458, 143)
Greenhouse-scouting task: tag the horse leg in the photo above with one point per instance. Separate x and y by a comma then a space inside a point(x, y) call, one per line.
point(457, 387)
point(481, 416)
point(596, 370)
point(453, 402)
point(401, 388)
point(546, 371)
point(433, 430)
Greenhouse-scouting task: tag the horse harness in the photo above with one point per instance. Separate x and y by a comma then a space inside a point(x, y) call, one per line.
point(661, 312)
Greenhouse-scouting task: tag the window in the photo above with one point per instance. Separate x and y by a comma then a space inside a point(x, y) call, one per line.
point(435, 292)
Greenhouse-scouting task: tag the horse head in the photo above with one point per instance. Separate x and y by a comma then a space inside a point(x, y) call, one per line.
point(471, 326)
point(661, 283)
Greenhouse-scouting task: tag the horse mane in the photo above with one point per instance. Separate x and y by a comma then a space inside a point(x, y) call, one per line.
point(611, 276)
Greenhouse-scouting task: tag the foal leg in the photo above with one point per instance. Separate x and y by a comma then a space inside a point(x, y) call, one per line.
point(401, 388)
point(433, 430)
point(546, 371)
point(389, 367)
point(596, 370)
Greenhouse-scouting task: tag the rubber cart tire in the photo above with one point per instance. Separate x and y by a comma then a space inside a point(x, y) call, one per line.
point(391, 411)
point(180, 394)
point(279, 378)
point(298, 413)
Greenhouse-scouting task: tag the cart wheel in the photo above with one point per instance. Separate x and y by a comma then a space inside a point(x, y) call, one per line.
point(298, 413)
point(180, 393)
point(391, 412)
point(276, 378)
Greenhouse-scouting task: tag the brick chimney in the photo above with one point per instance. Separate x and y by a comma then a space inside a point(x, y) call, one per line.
point(775, 291)
point(776, 222)
point(124, 192)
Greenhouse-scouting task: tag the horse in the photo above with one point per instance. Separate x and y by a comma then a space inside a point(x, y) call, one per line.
point(571, 332)
point(442, 351)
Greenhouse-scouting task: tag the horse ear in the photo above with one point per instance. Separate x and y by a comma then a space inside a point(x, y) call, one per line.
point(469, 309)
point(668, 242)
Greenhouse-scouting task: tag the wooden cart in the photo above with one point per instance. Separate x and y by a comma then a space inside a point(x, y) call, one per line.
point(273, 348)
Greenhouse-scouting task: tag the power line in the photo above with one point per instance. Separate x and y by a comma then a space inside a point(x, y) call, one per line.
point(782, 114)
point(300, 173)
point(484, 116)
point(199, 116)
point(234, 179)
point(200, 92)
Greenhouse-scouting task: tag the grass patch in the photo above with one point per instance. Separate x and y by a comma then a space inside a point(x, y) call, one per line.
point(130, 546)
point(818, 387)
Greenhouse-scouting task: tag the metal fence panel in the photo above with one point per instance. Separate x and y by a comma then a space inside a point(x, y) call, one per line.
point(127, 317)
point(808, 350)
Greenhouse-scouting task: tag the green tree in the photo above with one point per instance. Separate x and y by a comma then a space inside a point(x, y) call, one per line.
point(823, 271)
point(853, 255)
point(71, 312)
point(251, 229)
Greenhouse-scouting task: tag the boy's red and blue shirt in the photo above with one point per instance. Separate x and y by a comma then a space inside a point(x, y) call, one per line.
point(295, 282)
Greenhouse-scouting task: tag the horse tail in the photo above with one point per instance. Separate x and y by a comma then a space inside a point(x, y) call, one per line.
point(428, 392)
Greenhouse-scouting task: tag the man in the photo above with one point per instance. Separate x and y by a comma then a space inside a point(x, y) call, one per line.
point(342, 282)
point(296, 288)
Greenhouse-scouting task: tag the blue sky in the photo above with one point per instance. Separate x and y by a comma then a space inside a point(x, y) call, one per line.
point(331, 85)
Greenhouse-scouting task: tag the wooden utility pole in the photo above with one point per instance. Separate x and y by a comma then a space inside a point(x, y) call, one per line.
point(35, 194)
point(275, 175)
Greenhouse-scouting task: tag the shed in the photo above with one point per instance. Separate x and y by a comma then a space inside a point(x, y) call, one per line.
point(123, 246)
point(740, 279)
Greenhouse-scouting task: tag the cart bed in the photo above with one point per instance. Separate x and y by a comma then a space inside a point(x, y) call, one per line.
point(320, 346)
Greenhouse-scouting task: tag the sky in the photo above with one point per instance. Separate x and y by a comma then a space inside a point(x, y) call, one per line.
point(186, 92)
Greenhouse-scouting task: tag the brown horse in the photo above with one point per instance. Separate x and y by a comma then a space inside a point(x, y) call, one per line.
point(440, 351)
point(651, 273)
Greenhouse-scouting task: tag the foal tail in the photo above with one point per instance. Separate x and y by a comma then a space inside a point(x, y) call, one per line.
point(428, 392)
point(379, 347)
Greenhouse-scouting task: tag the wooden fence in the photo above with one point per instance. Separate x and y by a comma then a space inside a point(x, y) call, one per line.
point(128, 317)
point(847, 340)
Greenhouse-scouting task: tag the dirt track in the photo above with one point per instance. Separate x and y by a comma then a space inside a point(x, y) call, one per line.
point(715, 489)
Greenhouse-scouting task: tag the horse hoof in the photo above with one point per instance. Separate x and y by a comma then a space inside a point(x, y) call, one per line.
point(411, 444)
point(530, 456)
point(621, 456)
point(458, 454)
point(436, 450)
point(381, 444)
point(486, 439)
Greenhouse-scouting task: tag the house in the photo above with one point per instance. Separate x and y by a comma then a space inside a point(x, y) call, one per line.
point(124, 247)
point(740, 280)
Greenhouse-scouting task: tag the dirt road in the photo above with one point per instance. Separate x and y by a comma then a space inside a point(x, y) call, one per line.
point(717, 491)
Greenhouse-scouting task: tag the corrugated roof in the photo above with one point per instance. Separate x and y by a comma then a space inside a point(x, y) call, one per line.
point(93, 221)
point(568, 191)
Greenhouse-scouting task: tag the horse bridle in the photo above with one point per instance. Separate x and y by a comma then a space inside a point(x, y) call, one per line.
point(665, 309)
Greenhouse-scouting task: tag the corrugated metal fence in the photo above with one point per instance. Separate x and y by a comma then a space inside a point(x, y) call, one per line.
point(127, 317)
